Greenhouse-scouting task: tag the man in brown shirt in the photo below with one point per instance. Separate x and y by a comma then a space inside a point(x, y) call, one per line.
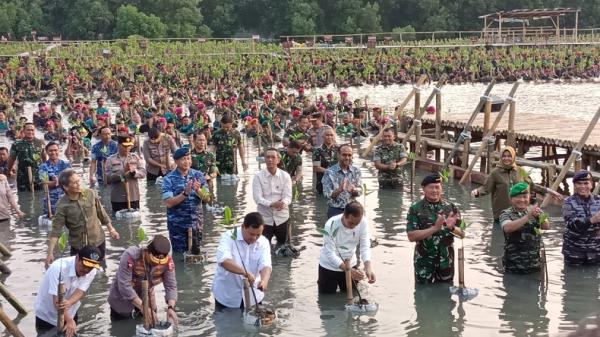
point(82, 213)
point(157, 151)
point(123, 171)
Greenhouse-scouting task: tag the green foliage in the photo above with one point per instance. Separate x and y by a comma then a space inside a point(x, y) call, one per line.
point(543, 218)
point(91, 19)
point(62, 241)
point(524, 173)
point(445, 174)
point(463, 225)
point(412, 156)
point(130, 21)
point(296, 194)
point(141, 235)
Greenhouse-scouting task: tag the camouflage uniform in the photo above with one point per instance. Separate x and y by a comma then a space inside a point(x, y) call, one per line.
point(50, 171)
point(29, 154)
point(100, 152)
point(521, 247)
point(291, 165)
point(225, 149)
point(581, 240)
point(187, 214)
point(434, 256)
point(206, 162)
point(295, 133)
point(387, 154)
point(323, 157)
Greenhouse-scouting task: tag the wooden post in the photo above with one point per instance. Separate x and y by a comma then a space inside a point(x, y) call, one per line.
point(461, 267)
point(12, 300)
point(30, 177)
point(146, 306)
point(438, 121)
point(349, 294)
point(190, 232)
point(465, 154)
point(11, 327)
point(48, 203)
point(417, 122)
point(411, 130)
point(551, 174)
point(486, 127)
point(492, 129)
point(396, 114)
point(127, 193)
point(577, 166)
point(4, 268)
point(247, 305)
point(60, 323)
point(467, 126)
point(510, 138)
point(4, 250)
point(572, 157)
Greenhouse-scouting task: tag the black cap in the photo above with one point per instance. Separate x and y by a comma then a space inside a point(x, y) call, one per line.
point(125, 140)
point(431, 179)
point(160, 245)
point(90, 256)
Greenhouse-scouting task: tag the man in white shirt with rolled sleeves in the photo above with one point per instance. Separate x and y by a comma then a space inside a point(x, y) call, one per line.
point(338, 251)
point(272, 193)
point(242, 253)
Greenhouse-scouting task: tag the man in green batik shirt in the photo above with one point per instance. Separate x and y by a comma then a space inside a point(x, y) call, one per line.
point(389, 157)
point(431, 222)
point(29, 151)
point(226, 140)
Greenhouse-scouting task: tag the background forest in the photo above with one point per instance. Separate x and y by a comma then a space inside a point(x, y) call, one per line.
point(105, 19)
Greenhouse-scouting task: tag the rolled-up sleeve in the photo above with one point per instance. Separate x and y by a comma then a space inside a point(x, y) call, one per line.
point(167, 188)
point(224, 248)
point(265, 257)
point(365, 241)
point(101, 212)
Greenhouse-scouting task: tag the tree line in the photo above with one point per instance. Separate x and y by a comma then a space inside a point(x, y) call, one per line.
point(105, 19)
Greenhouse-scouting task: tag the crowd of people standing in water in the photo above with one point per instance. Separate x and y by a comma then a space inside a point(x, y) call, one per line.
point(190, 136)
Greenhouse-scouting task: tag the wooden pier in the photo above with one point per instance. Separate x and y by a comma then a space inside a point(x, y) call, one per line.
point(561, 146)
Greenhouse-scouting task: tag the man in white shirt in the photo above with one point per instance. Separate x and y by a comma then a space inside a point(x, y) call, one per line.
point(242, 253)
point(77, 273)
point(272, 192)
point(337, 253)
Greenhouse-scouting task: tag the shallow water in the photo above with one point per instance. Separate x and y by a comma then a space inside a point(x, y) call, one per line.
point(507, 305)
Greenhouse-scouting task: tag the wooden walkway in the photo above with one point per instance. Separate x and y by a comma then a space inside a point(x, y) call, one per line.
point(532, 128)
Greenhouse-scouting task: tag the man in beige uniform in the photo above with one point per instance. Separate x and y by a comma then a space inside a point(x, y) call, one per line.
point(123, 170)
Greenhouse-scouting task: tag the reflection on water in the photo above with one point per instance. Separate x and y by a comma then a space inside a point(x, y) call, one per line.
point(509, 305)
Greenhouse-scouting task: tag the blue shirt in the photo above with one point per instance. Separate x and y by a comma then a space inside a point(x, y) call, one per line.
point(186, 213)
point(100, 152)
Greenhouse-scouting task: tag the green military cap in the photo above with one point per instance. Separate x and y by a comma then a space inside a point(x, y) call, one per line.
point(519, 188)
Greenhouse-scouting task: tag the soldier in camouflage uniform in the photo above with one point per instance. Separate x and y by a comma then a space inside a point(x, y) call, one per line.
point(226, 140)
point(182, 191)
point(323, 157)
point(581, 211)
point(29, 151)
point(430, 223)
point(204, 161)
point(299, 133)
point(389, 157)
point(291, 161)
point(521, 227)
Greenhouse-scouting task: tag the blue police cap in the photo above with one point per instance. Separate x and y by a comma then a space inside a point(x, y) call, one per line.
point(582, 176)
point(183, 151)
